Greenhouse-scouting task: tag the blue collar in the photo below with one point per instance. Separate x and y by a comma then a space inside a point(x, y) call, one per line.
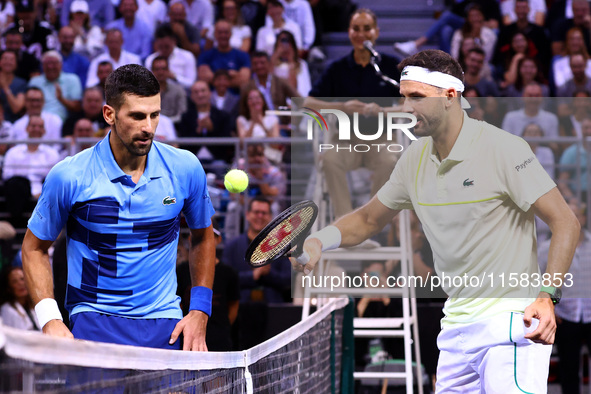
point(154, 168)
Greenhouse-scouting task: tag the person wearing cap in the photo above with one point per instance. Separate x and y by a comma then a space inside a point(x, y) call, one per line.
point(101, 12)
point(89, 38)
point(62, 91)
point(476, 190)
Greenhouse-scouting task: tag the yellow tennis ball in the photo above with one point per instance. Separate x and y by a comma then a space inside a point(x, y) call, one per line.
point(236, 181)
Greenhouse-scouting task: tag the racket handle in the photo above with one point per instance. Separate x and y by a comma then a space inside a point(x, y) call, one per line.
point(303, 258)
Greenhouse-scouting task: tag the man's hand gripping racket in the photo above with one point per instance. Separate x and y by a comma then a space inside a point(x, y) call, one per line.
point(285, 236)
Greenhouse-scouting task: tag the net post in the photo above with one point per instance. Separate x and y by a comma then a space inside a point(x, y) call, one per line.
point(332, 354)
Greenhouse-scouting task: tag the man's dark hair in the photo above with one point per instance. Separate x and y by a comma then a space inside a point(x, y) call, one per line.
point(105, 63)
point(164, 31)
point(221, 72)
point(256, 54)
point(477, 50)
point(35, 88)
point(131, 79)
point(434, 60)
point(276, 3)
point(13, 32)
point(258, 199)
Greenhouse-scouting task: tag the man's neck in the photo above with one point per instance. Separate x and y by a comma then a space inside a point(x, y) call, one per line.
point(130, 164)
point(522, 24)
point(262, 78)
point(472, 79)
point(278, 23)
point(129, 22)
point(225, 49)
point(445, 138)
point(116, 55)
point(531, 111)
point(580, 81)
point(32, 147)
point(251, 234)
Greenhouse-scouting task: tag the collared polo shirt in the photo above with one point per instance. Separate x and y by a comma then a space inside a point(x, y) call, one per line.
point(122, 237)
point(475, 210)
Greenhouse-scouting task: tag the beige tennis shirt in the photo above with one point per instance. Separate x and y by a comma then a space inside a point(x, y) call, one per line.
point(476, 210)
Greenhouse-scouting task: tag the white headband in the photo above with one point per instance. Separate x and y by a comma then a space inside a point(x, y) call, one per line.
point(434, 78)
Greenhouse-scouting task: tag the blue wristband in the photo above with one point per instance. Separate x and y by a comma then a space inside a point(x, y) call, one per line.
point(201, 299)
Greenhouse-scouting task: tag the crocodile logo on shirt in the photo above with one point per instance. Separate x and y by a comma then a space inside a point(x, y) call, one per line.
point(468, 182)
point(168, 200)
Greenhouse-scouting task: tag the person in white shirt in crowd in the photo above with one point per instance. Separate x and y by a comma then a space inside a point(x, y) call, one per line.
point(62, 90)
point(579, 79)
point(300, 12)
point(536, 14)
point(31, 161)
point(474, 27)
point(6, 14)
point(17, 308)
point(152, 12)
point(288, 65)
point(34, 101)
point(277, 22)
point(89, 39)
point(532, 112)
point(6, 133)
point(104, 69)
point(82, 129)
point(188, 36)
point(115, 54)
point(173, 99)
point(181, 63)
point(574, 45)
point(221, 97)
point(252, 122)
point(200, 14)
point(165, 131)
point(241, 34)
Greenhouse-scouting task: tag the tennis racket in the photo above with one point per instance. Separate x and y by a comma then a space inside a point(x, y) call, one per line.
point(283, 236)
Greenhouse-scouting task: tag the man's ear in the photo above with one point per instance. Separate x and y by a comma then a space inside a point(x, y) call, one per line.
point(109, 114)
point(452, 95)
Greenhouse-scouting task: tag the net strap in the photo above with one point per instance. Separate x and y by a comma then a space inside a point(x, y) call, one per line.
point(40, 348)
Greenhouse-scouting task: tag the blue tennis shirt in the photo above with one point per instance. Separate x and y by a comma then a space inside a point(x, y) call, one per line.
point(122, 237)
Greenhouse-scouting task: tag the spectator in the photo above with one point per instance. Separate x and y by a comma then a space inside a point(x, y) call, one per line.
point(204, 120)
point(514, 10)
point(224, 57)
point(104, 69)
point(527, 72)
point(181, 63)
point(475, 27)
point(575, 45)
point(580, 19)
point(82, 129)
point(578, 109)
point(45, 10)
point(448, 22)
point(6, 133)
point(73, 62)
point(137, 36)
point(573, 313)
point(579, 80)
point(38, 37)
point(173, 98)
point(6, 14)
point(29, 65)
point(473, 71)
point(273, 279)
point(252, 122)
point(468, 44)
point(17, 309)
point(115, 54)
point(34, 103)
point(544, 154)
point(241, 34)
point(353, 76)
point(511, 57)
point(288, 65)
point(30, 161)
point(265, 179)
point(199, 13)
point(101, 12)
point(92, 109)
point(221, 97)
point(187, 35)
point(533, 32)
point(267, 35)
point(12, 93)
point(62, 90)
point(276, 91)
point(300, 12)
point(574, 176)
point(532, 112)
point(165, 131)
point(152, 12)
point(89, 39)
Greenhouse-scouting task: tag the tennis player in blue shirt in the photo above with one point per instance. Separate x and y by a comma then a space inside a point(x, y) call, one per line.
point(121, 203)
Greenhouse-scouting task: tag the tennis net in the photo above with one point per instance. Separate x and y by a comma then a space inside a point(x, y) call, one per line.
point(303, 359)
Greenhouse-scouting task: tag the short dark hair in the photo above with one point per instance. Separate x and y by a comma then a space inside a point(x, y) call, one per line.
point(477, 50)
point(365, 11)
point(130, 79)
point(105, 63)
point(276, 3)
point(13, 31)
point(164, 31)
point(434, 60)
point(221, 72)
point(160, 58)
point(260, 54)
point(35, 88)
point(258, 199)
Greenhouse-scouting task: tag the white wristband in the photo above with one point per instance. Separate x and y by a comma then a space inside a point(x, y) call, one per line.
point(330, 237)
point(47, 310)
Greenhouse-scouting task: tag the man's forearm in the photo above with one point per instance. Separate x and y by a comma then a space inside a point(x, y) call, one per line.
point(38, 274)
point(562, 249)
point(202, 261)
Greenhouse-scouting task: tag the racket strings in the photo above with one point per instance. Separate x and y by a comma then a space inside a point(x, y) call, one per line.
point(282, 235)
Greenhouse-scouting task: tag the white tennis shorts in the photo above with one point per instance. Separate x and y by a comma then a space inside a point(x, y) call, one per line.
point(492, 356)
